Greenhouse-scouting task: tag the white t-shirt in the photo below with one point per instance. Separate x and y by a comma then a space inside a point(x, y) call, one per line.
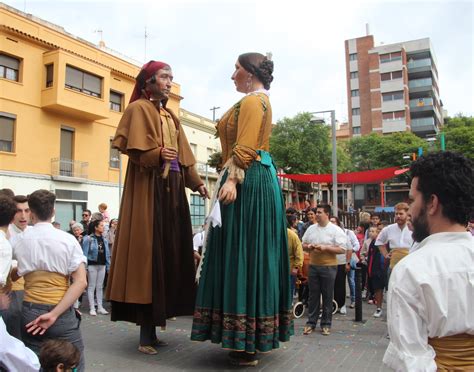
point(198, 240)
point(329, 235)
point(5, 258)
point(396, 237)
point(46, 248)
point(430, 294)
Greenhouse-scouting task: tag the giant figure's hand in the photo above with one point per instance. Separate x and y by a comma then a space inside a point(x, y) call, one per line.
point(202, 190)
point(168, 153)
point(228, 192)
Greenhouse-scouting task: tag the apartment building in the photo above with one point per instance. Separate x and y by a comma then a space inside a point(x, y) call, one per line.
point(61, 99)
point(392, 88)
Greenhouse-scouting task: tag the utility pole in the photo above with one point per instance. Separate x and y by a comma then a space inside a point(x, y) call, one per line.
point(214, 112)
point(146, 36)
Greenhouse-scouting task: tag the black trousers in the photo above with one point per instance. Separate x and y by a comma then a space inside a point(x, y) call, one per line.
point(340, 286)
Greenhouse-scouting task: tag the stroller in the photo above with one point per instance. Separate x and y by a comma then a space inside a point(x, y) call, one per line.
point(300, 306)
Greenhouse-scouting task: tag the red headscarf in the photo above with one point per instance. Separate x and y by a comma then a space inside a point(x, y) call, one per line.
point(148, 70)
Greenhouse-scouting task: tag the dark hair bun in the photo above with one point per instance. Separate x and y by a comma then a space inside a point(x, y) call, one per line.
point(264, 72)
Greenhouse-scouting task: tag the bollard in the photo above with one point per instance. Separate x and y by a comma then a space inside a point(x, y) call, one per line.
point(358, 294)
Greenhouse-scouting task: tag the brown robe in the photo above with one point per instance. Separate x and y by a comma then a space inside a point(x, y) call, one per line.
point(139, 135)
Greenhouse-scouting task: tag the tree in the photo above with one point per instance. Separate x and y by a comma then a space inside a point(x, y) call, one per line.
point(459, 135)
point(299, 145)
point(375, 151)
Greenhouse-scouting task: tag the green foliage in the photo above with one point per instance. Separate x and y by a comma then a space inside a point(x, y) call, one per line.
point(375, 151)
point(459, 135)
point(301, 146)
point(214, 160)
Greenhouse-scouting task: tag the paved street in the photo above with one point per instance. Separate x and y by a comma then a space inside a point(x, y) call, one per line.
point(351, 347)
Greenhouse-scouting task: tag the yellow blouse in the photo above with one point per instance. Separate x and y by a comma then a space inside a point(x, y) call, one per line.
point(245, 128)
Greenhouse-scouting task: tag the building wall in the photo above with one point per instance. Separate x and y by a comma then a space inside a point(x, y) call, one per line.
point(40, 111)
point(372, 65)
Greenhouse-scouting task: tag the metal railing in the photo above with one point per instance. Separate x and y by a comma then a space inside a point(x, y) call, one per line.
point(203, 168)
point(69, 168)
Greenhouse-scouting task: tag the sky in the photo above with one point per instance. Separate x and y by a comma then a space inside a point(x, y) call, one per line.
point(201, 40)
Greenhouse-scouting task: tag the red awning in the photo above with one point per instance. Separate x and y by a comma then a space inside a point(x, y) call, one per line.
point(371, 176)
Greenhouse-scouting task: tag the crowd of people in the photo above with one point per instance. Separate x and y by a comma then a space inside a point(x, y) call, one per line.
point(239, 281)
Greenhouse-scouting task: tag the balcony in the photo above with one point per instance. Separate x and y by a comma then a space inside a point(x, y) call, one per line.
point(417, 63)
point(59, 96)
point(420, 83)
point(204, 169)
point(420, 102)
point(424, 126)
point(69, 170)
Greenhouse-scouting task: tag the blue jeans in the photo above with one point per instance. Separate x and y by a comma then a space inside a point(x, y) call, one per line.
point(352, 284)
point(293, 285)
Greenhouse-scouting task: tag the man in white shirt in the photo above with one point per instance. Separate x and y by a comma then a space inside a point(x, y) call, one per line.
point(324, 241)
point(396, 236)
point(20, 223)
point(431, 292)
point(47, 259)
point(14, 356)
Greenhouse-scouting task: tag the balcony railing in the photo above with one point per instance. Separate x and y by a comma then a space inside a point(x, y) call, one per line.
point(419, 63)
point(69, 168)
point(420, 102)
point(422, 122)
point(202, 168)
point(420, 83)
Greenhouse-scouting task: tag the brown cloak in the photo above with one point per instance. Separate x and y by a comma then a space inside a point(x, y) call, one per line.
point(139, 135)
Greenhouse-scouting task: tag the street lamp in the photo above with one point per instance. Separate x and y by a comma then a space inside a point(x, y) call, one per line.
point(334, 159)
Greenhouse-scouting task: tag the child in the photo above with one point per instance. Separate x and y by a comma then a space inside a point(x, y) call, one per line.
point(103, 211)
point(59, 355)
point(376, 270)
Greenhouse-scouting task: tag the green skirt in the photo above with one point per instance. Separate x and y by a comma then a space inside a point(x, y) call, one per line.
point(243, 298)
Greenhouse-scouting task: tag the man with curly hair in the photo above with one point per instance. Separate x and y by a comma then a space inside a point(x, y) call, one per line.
point(431, 291)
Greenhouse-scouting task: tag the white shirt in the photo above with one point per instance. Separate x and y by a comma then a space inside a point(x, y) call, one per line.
point(5, 258)
point(396, 237)
point(352, 243)
point(329, 235)
point(198, 240)
point(13, 233)
point(14, 355)
point(430, 294)
point(46, 248)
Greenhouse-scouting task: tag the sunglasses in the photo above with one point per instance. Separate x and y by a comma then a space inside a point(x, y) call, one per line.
point(85, 215)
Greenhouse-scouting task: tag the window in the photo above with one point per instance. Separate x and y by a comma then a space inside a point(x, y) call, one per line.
point(392, 96)
point(210, 152)
point(194, 149)
point(353, 57)
point(197, 210)
point(391, 75)
point(395, 115)
point(116, 101)
point(9, 67)
point(49, 75)
point(7, 125)
point(355, 93)
point(66, 166)
point(396, 75)
point(355, 130)
point(83, 82)
point(389, 57)
point(114, 156)
point(354, 75)
point(356, 111)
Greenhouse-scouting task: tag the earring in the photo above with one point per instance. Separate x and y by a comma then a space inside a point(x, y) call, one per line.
point(249, 83)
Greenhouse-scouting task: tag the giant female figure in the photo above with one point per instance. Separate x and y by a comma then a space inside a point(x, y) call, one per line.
point(243, 298)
